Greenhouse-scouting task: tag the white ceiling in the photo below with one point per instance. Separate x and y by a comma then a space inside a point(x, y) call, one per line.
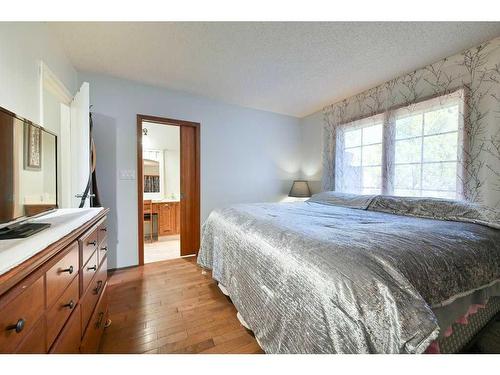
point(290, 68)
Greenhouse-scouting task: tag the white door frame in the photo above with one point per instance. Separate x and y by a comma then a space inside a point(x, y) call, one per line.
point(51, 83)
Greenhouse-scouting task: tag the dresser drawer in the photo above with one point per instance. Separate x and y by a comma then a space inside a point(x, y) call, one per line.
point(68, 341)
point(61, 310)
point(60, 275)
point(92, 294)
point(88, 244)
point(19, 315)
point(102, 231)
point(92, 336)
point(88, 271)
point(34, 342)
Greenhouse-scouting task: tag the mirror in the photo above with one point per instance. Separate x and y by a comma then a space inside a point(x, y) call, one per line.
point(153, 172)
point(161, 162)
point(28, 185)
point(151, 176)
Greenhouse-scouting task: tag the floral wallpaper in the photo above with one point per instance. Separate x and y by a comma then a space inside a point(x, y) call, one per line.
point(477, 70)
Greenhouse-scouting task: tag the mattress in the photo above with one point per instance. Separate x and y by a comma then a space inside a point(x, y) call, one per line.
point(317, 277)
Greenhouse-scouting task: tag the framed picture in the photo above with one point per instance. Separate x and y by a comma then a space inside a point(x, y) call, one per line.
point(32, 147)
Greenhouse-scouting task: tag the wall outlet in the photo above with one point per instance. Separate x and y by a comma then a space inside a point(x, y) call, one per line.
point(127, 174)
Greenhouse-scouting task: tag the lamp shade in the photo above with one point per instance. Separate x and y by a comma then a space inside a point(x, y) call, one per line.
point(300, 189)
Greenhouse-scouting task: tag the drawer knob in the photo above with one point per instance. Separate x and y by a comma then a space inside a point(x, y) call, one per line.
point(18, 327)
point(70, 305)
point(93, 268)
point(104, 229)
point(98, 288)
point(93, 243)
point(105, 248)
point(68, 270)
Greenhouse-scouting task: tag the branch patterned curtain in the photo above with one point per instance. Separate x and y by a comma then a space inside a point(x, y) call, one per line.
point(368, 139)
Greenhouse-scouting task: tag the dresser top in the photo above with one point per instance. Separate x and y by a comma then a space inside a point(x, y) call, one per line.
point(63, 222)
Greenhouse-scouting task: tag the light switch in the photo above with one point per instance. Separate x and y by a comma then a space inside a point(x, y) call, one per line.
point(127, 174)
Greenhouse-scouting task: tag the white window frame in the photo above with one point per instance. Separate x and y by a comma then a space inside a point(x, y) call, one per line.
point(388, 119)
point(361, 124)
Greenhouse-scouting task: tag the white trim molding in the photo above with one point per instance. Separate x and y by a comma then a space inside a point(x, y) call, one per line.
point(50, 82)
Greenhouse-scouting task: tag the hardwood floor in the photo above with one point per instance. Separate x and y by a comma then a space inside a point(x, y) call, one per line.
point(170, 307)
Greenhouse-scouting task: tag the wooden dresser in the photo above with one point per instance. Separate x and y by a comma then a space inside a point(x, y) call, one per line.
point(56, 301)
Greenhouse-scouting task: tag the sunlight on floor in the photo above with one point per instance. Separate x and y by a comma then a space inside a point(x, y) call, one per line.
point(167, 247)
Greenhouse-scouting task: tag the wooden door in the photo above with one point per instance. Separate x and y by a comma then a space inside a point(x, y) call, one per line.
point(190, 190)
point(186, 219)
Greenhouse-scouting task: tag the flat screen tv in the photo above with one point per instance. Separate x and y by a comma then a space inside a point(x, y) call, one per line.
point(28, 175)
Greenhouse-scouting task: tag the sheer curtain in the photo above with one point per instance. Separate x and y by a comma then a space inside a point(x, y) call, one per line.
point(413, 150)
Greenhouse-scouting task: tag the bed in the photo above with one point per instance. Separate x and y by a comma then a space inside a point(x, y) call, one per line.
point(344, 273)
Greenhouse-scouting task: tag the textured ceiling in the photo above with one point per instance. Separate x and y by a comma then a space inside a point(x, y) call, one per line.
point(291, 68)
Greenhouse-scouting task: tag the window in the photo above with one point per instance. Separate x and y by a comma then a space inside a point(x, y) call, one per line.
point(411, 151)
point(426, 153)
point(361, 158)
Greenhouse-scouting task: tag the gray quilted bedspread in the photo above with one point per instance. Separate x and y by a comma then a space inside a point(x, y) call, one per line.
point(313, 277)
